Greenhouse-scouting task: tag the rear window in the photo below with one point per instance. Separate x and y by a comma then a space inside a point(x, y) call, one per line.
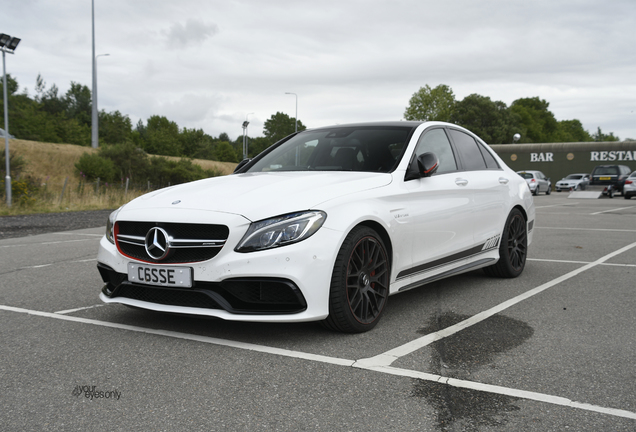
point(605, 170)
point(526, 175)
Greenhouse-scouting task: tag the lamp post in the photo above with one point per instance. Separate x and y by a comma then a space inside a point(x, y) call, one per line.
point(245, 144)
point(296, 129)
point(8, 44)
point(95, 109)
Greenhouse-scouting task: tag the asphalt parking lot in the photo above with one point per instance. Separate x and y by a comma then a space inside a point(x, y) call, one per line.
point(553, 350)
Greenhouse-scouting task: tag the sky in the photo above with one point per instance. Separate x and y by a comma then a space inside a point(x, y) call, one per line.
point(210, 64)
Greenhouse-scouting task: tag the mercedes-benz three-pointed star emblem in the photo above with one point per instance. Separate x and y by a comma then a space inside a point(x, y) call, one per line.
point(157, 243)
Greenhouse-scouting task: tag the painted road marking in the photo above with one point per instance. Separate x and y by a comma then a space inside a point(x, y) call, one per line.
point(611, 210)
point(388, 357)
point(540, 397)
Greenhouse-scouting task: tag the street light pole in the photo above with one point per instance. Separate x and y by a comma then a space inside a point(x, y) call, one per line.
point(245, 143)
point(296, 129)
point(94, 132)
point(8, 44)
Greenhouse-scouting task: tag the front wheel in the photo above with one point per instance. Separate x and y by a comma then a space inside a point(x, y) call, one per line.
point(359, 283)
point(549, 191)
point(513, 249)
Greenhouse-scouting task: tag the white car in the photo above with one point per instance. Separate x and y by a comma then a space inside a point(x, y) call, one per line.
point(324, 226)
point(573, 182)
point(537, 181)
point(629, 188)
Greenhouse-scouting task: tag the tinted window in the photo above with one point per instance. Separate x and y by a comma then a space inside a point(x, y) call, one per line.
point(605, 170)
point(468, 150)
point(436, 141)
point(491, 163)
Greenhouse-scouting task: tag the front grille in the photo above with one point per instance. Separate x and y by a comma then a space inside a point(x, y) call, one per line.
point(190, 242)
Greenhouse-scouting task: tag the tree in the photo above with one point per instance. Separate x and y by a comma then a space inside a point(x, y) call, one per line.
point(600, 136)
point(490, 120)
point(162, 137)
point(280, 125)
point(77, 103)
point(114, 127)
point(428, 104)
point(572, 131)
point(536, 121)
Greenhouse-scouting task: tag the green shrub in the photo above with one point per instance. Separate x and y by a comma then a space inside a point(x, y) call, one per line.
point(91, 167)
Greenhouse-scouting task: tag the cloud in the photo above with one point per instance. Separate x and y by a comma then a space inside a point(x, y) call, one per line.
point(193, 32)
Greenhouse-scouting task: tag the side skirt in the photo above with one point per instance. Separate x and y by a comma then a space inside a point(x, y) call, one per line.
point(462, 269)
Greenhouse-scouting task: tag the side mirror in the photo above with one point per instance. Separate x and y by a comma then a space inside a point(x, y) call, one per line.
point(425, 165)
point(241, 164)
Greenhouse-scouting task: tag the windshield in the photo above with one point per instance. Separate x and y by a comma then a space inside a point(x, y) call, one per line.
point(575, 177)
point(363, 148)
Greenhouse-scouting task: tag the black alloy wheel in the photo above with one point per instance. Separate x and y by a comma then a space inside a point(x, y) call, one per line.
point(513, 249)
point(359, 283)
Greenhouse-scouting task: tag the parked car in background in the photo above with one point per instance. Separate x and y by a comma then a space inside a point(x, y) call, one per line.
point(324, 225)
point(629, 188)
point(612, 177)
point(537, 181)
point(572, 182)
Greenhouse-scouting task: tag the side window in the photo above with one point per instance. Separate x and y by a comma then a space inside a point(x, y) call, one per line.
point(436, 141)
point(491, 163)
point(468, 150)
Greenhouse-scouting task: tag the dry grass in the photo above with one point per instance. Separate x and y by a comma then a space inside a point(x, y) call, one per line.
point(53, 164)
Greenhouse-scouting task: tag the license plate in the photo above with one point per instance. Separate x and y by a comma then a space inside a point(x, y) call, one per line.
point(160, 275)
point(604, 178)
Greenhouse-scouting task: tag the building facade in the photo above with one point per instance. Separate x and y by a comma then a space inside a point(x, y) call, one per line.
point(557, 160)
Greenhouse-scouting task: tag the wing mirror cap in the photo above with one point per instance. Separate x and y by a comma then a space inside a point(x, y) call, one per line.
point(425, 165)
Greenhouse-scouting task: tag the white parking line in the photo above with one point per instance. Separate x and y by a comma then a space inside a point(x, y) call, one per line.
point(68, 311)
point(388, 357)
point(79, 234)
point(586, 229)
point(555, 400)
point(612, 210)
point(47, 243)
point(579, 262)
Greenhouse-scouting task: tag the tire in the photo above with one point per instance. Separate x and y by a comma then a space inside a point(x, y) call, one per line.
point(549, 191)
point(513, 249)
point(536, 191)
point(359, 283)
point(627, 196)
point(610, 193)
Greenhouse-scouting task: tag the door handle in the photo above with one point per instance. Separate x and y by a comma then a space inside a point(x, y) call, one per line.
point(461, 182)
point(503, 180)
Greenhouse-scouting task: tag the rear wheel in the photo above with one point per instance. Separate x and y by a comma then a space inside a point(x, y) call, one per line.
point(549, 191)
point(513, 248)
point(536, 191)
point(359, 283)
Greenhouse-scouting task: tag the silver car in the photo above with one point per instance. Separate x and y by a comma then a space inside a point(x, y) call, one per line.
point(629, 189)
point(573, 182)
point(537, 181)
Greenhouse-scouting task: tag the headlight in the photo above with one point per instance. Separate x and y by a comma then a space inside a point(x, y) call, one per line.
point(110, 226)
point(281, 230)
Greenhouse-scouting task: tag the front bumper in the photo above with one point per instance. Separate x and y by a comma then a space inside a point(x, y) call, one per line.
point(284, 284)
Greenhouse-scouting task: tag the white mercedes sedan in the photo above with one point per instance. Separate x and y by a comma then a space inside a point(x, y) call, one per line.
point(325, 225)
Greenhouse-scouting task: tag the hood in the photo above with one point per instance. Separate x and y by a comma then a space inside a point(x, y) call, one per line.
point(258, 196)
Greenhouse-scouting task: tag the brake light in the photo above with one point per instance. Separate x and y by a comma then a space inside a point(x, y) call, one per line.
point(628, 182)
point(532, 181)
